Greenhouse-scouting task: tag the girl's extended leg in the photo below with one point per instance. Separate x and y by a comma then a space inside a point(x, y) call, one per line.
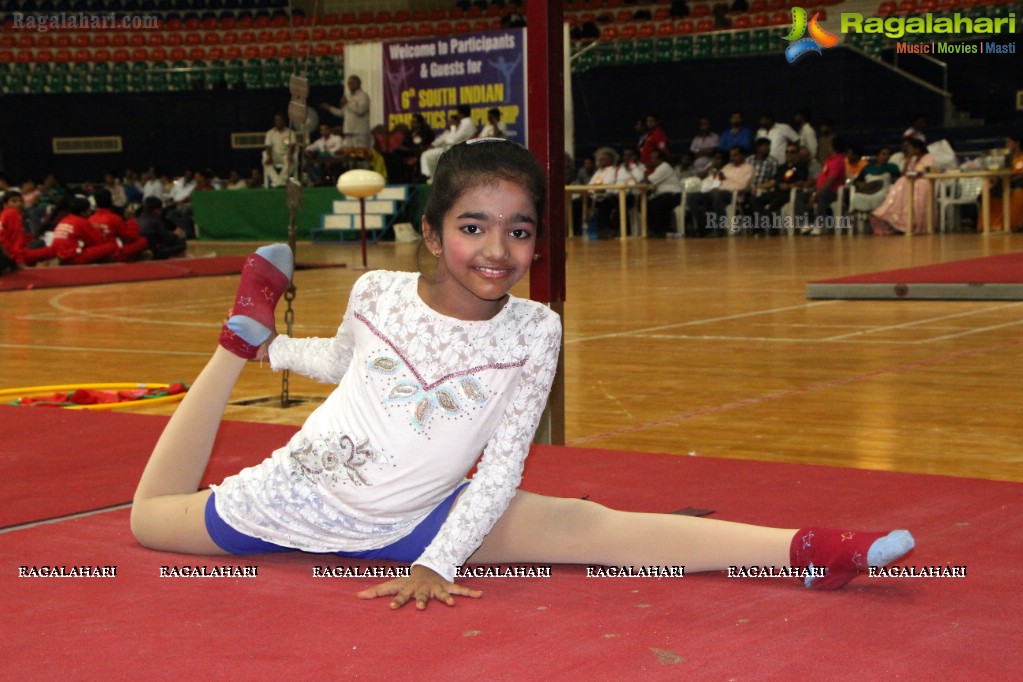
point(169, 510)
point(539, 529)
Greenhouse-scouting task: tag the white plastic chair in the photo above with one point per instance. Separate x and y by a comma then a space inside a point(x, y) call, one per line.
point(953, 193)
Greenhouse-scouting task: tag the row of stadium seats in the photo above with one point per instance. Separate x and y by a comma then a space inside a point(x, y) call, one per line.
point(161, 38)
point(681, 48)
point(104, 6)
point(167, 76)
point(141, 54)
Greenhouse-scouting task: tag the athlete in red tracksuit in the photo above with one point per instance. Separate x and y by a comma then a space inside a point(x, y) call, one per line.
point(13, 238)
point(77, 242)
point(126, 235)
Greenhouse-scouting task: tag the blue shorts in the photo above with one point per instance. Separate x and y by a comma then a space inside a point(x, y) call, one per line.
point(406, 550)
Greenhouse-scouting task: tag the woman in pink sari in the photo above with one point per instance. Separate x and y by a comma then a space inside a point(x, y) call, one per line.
point(892, 216)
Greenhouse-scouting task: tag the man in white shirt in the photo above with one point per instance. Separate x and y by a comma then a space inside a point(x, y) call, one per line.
point(807, 135)
point(708, 208)
point(780, 134)
point(354, 110)
point(461, 131)
point(277, 154)
point(494, 127)
point(321, 152)
point(665, 196)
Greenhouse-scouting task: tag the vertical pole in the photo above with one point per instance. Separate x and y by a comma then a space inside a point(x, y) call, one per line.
point(545, 103)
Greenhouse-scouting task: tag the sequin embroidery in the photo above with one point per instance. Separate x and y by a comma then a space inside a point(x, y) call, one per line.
point(335, 458)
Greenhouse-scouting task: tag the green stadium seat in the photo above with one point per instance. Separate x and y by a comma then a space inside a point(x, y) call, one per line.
point(741, 43)
point(664, 49)
point(704, 47)
point(159, 78)
point(235, 73)
point(644, 51)
point(684, 48)
point(97, 81)
point(178, 80)
point(723, 44)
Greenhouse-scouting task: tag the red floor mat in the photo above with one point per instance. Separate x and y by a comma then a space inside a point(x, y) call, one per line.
point(108, 273)
point(98, 457)
point(992, 278)
point(284, 621)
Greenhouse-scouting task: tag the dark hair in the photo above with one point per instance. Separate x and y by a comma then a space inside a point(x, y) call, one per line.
point(464, 110)
point(12, 194)
point(103, 198)
point(79, 206)
point(151, 204)
point(471, 164)
point(917, 143)
point(839, 145)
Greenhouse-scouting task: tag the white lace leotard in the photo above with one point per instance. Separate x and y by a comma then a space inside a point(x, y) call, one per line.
point(419, 397)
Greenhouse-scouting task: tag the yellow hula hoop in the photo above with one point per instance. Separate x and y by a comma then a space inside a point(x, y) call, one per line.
point(122, 405)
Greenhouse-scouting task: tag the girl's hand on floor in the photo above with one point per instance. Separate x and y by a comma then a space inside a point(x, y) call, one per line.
point(422, 585)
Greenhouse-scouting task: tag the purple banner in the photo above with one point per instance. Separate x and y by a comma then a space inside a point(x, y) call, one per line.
point(432, 76)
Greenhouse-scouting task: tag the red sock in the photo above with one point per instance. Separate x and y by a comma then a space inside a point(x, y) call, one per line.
point(265, 277)
point(844, 553)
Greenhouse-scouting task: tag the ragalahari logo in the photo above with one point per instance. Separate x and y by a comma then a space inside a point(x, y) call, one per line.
point(818, 36)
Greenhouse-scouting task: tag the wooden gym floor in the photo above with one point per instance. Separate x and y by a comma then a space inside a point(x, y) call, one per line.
point(703, 348)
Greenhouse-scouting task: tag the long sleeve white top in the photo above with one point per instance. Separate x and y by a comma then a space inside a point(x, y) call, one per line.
point(420, 396)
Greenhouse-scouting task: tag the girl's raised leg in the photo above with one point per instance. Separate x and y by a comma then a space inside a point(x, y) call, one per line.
point(168, 512)
point(539, 529)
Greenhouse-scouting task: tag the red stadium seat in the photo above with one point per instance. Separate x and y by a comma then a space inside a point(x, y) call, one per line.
point(628, 31)
point(338, 49)
point(214, 53)
point(353, 33)
point(424, 30)
point(698, 11)
point(285, 51)
point(178, 54)
point(336, 33)
point(402, 15)
point(761, 20)
point(319, 34)
point(44, 56)
point(63, 56)
point(212, 38)
point(197, 54)
point(348, 18)
point(406, 30)
point(742, 22)
point(24, 56)
point(646, 30)
point(121, 54)
point(389, 31)
point(437, 14)
point(383, 17)
point(62, 40)
point(609, 33)
point(118, 40)
point(321, 49)
point(192, 38)
point(282, 35)
point(455, 14)
point(371, 33)
point(175, 39)
point(155, 39)
point(461, 27)
point(481, 26)
point(420, 15)
point(684, 27)
point(251, 52)
point(6, 56)
point(101, 55)
point(82, 55)
point(100, 40)
point(704, 25)
point(365, 18)
point(233, 52)
point(137, 39)
point(329, 20)
point(140, 54)
point(227, 22)
point(268, 52)
point(158, 54)
point(45, 40)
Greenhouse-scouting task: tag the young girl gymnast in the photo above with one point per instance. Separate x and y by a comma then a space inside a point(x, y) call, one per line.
point(430, 372)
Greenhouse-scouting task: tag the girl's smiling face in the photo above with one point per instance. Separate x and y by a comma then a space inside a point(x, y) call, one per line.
point(489, 236)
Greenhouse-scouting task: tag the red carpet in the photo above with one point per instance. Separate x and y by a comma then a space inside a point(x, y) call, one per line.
point(284, 621)
point(991, 278)
point(98, 458)
point(108, 273)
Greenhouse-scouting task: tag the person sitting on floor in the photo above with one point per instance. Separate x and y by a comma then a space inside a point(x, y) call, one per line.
point(126, 235)
point(14, 241)
point(76, 241)
point(165, 240)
